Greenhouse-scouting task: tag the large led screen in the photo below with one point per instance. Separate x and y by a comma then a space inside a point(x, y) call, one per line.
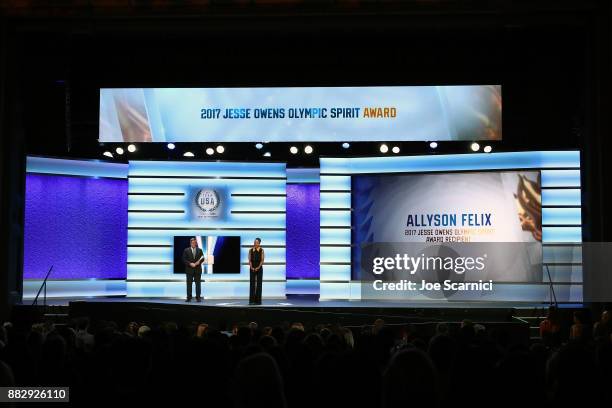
point(221, 253)
point(322, 114)
point(469, 231)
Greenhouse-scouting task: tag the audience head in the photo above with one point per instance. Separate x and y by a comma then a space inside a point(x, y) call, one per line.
point(298, 326)
point(578, 317)
point(258, 383)
point(132, 328)
point(143, 330)
point(378, 324)
point(442, 328)
point(349, 340)
point(410, 380)
point(201, 330)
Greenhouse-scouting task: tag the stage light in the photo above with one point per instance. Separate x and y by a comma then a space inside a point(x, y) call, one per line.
point(267, 154)
point(108, 154)
point(293, 150)
point(259, 146)
point(308, 149)
point(171, 146)
point(131, 148)
point(345, 145)
point(384, 148)
point(487, 149)
point(475, 147)
point(210, 151)
point(119, 150)
point(433, 145)
point(188, 154)
point(395, 149)
point(220, 149)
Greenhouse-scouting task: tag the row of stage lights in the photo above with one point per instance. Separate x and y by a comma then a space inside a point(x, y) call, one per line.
point(475, 147)
point(308, 149)
point(119, 150)
point(171, 146)
point(220, 149)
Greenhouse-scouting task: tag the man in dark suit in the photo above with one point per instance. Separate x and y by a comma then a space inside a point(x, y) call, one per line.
point(193, 257)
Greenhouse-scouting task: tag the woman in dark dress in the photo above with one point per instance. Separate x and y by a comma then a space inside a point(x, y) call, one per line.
point(256, 260)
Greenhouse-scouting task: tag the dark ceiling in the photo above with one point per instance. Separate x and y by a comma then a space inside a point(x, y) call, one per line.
point(543, 56)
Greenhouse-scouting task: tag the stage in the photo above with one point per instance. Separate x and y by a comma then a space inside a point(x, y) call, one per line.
point(300, 302)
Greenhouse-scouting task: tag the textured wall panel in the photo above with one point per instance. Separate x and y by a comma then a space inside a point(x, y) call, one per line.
point(303, 231)
point(76, 224)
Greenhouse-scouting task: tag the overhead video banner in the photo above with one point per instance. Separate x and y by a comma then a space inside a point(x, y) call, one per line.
point(318, 114)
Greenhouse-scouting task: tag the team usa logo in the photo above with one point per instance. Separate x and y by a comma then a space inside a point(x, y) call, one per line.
point(208, 202)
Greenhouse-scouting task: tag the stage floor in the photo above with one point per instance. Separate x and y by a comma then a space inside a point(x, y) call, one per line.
point(302, 302)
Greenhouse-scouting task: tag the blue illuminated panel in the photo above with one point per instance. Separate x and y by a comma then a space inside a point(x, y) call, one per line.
point(562, 216)
point(570, 196)
point(336, 183)
point(451, 162)
point(214, 169)
point(560, 178)
point(335, 200)
point(87, 168)
point(153, 272)
point(561, 234)
point(341, 218)
point(165, 237)
point(77, 289)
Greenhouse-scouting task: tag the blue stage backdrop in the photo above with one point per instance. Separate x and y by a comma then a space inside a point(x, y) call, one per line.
point(561, 231)
point(303, 231)
point(170, 198)
point(75, 219)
